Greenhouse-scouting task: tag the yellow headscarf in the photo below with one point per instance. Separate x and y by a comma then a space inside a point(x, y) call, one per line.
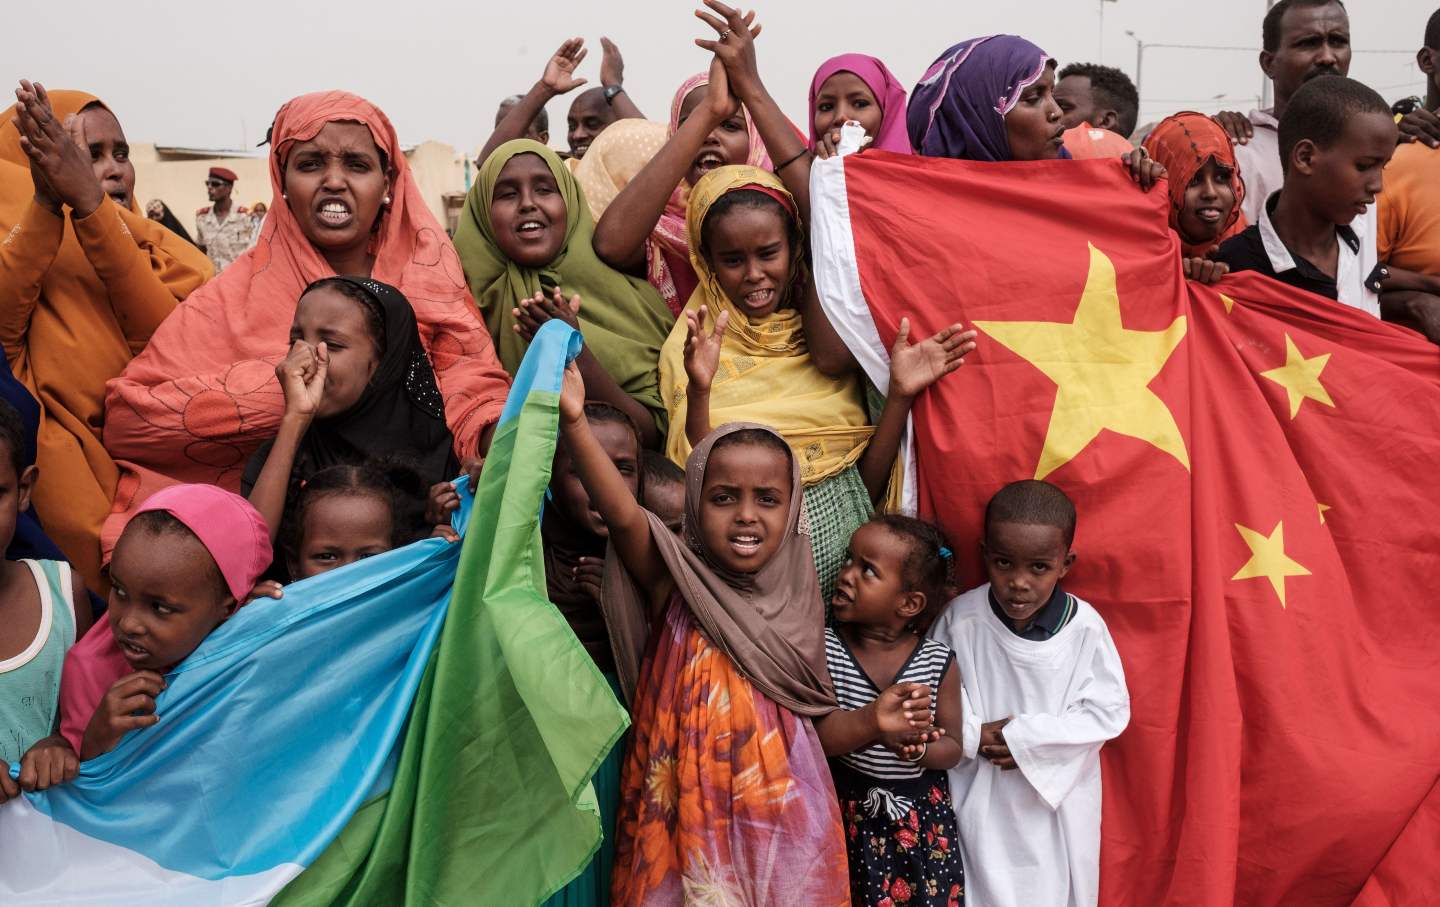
point(765, 372)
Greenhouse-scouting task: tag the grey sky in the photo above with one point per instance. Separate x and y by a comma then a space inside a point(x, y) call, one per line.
point(212, 75)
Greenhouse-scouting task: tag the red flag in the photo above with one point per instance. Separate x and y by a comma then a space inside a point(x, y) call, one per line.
point(1254, 469)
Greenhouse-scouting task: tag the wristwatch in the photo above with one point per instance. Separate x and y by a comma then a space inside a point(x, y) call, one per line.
point(611, 91)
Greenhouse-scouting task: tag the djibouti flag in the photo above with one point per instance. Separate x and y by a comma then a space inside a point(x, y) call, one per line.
point(420, 727)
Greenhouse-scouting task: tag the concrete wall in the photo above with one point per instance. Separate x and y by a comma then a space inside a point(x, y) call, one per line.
point(179, 179)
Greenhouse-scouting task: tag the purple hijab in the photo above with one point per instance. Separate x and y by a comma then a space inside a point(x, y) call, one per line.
point(958, 108)
point(887, 90)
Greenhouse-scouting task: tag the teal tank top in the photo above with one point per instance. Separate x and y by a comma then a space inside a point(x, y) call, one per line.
point(30, 682)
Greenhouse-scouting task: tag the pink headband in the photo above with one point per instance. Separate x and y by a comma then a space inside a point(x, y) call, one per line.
point(229, 527)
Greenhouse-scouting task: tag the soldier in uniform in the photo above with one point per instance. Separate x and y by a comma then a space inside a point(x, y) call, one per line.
point(223, 229)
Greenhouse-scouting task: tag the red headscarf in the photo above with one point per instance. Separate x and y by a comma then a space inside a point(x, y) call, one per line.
point(1182, 144)
point(203, 395)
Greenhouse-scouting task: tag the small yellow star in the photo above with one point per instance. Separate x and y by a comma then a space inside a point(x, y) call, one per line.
point(1301, 377)
point(1322, 508)
point(1268, 559)
point(1229, 303)
point(1101, 369)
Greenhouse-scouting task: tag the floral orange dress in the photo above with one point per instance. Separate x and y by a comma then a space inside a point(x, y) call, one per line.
point(726, 797)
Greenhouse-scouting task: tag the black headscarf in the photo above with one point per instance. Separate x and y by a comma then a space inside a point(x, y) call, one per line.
point(399, 416)
point(169, 221)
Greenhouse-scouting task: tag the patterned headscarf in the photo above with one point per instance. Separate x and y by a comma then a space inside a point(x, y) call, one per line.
point(1182, 144)
point(958, 109)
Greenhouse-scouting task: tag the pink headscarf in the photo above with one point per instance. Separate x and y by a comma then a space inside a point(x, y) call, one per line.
point(888, 92)
point(237, 538)
point(667, 253)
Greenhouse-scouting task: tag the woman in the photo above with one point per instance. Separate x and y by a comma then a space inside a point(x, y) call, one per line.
point(525, 184)
point(857, 87)
point(204, 396)
point(1206, 191)
point(80, 294)
point(643, 230)
point(160, 212)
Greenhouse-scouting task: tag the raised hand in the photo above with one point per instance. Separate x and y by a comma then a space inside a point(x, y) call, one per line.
point(1143, 169)
point(612, 65)
point(734, 46)
point(1236, 125)
point(128, 705)
point(559, 74)
point(915, 367)
point(534, 311)
point(59, 163)
point(572, 395)
point(702, 349)
point(302, 377)
point(1204, 270)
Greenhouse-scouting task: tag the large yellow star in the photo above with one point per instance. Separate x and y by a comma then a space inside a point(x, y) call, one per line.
point(1301, 377)
point(1101, 369)
point(1268, 559)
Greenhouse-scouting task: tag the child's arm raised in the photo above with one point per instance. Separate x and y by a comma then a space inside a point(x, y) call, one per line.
point(912, 369)
point(531, 313)
point(898, 712)
point(557, 79)
point(302, 377)
point(702, 360)
point(625, 520)
point(623, 228)
point(735, 48)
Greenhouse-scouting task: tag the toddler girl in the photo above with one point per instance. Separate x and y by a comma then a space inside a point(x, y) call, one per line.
point(899, 825)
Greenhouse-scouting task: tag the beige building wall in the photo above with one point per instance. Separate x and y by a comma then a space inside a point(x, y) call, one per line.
point(177, 177)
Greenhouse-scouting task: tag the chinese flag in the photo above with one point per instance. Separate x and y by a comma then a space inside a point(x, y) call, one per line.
point(1255, 470)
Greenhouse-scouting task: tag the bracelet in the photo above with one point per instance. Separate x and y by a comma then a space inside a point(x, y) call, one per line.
point(798, 156)
point(923, 747)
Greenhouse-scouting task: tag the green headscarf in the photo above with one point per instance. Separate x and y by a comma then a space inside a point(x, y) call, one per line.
point(622, 318)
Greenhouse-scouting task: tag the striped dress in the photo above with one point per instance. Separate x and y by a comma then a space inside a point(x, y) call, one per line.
point(900, 829)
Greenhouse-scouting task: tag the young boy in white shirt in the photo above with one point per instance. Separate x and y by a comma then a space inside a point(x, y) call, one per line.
point(1043, 689)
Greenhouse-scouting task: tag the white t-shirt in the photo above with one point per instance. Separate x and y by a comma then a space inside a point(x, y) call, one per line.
point(1031, 836)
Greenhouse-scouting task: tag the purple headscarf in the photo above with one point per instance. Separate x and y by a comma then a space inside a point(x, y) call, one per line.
point(887, 90)
point(958, 108)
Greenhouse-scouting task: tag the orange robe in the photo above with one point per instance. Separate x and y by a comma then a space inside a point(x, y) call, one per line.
point(78, 299)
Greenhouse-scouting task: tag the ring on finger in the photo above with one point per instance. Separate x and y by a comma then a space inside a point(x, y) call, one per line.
point(724, 34)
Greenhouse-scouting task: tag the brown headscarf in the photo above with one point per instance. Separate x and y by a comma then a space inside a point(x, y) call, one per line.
point(1182, 144)
point(771, 623)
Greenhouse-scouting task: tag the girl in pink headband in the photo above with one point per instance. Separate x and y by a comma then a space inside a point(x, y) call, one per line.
point(185, 561)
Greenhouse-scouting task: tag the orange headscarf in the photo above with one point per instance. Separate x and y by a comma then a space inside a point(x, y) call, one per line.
point(1182, 144)
point(78, 298)
point(203, 395)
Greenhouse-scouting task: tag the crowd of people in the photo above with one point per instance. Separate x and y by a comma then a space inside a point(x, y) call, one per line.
point(818, 715)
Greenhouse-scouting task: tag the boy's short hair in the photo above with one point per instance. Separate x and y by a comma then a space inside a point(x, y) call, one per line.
point(13, 435)
point(541, 123)
point(1111, 88)
point(1320, 109)
point(1432, 31)
point(1270, 27)
point(660, 469)
point(1033, 503)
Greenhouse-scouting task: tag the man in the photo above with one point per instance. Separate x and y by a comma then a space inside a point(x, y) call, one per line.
point(593, 110)
point(223, 230)
point(1409, 214)
point(1301, 39)
point(537, 130)
point(1102, 96)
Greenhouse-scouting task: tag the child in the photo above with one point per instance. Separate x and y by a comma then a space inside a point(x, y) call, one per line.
point(663, 488)
point(899, 824)
point(755, 363)
point(1336, 136)
point(724, 787)
point(575, 538)
point(1206, 191)
point(187, 558)
point(43, 610)
point(1044, 689)
point(358, 386)
point(346, 513)
point(525, 242)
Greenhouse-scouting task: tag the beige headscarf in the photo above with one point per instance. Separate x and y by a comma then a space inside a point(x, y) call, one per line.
point(771, 623)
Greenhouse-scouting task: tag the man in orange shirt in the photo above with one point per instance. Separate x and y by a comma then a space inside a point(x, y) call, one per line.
point(1408, 239)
